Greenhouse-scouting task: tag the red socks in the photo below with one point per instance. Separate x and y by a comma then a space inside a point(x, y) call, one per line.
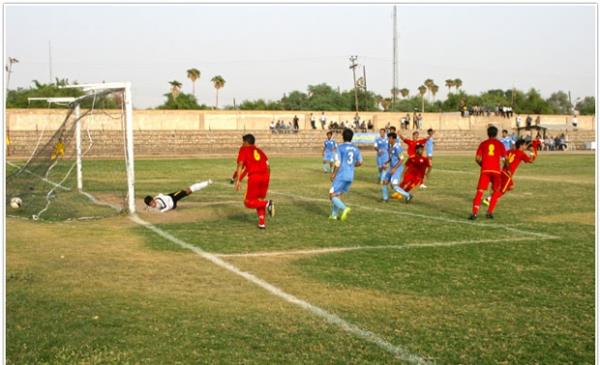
point(477, 201)
point(495, 196)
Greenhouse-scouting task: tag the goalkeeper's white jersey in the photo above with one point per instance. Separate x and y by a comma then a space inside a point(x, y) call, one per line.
point(164, 202)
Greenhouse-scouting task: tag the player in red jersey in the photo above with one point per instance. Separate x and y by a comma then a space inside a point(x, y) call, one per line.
point(411, 144)
point(255, 163)
point(513, 159)
point(417, 167)
point(489, 156)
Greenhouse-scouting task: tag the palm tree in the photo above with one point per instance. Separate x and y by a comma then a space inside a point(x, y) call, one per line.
point(422, 91)
point(457, 84)
point(218, 81)
point(404, 92)
point(434, 89)
point(449, 84)
point(379, 100)
point(193, 74)
point(428, 83)
point(386, 103)
point(175, 88)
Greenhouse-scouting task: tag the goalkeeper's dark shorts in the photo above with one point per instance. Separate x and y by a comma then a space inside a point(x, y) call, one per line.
point(177, 196)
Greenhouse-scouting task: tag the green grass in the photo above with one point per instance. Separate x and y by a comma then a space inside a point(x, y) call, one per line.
point(110, 292)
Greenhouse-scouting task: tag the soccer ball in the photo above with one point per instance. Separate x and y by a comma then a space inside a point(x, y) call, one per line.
point(16, 203)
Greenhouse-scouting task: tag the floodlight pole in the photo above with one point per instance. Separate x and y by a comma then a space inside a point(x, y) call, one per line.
point(130, 158)
point(78, 148)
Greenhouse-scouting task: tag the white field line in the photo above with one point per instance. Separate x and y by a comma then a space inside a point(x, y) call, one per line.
point(525, 177)
point(40, 177)
point(400, 352)
point(432, 217)
point(327, 250)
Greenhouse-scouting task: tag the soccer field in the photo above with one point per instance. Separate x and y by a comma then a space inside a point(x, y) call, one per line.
point(395, 283)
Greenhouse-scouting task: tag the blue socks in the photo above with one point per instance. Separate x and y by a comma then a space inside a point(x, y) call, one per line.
point(401, 191)
point(337, 203)
point(334, 210)
point(384, 192)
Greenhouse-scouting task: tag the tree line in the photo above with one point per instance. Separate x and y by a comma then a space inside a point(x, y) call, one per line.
point(325, 97)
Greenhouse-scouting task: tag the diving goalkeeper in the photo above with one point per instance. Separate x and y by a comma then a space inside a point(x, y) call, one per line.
point(164, 203)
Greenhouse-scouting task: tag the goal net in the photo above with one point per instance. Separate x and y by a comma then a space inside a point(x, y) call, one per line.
point(78, 166)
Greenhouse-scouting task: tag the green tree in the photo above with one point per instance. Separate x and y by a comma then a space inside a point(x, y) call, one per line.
point(587, 106)
point(428, 84)
point(395, 92)
point(218, 82)
point(404, 92)
point(434, 89)
point(193, 74)
point(559, 103)
point(181, 101)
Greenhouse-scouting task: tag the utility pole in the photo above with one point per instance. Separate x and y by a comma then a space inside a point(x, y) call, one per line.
point(395, 61)
point(353, 67)
point(9, 71)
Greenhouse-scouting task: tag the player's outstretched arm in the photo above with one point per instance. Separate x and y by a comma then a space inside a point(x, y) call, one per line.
point(238, 179)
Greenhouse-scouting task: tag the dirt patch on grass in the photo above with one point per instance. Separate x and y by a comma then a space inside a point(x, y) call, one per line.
point(587, 218)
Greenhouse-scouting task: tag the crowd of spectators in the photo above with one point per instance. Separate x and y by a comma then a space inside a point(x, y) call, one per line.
point(282, 127)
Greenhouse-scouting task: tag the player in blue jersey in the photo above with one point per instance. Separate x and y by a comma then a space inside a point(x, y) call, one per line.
point(329, 149)
point(507, 140)
point(347, 157)
point(394, 173)
point(383, 156)
point(428, 152)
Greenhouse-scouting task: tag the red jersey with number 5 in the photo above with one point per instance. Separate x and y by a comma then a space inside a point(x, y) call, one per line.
point(254, 159)
point(513, 159)
point(490, 153)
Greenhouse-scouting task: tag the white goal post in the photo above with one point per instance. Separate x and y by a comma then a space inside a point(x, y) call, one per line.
point(124, 87)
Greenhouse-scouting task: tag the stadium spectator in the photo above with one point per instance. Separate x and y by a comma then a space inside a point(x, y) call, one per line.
point(528, 122)
point(363, 126)
point(538, 121)
point(519, 121)
point(560, 142)
point(574, 121)
point(313, 121)
point(549, 143)
point(370, 125)
point(272, 126)
point(296, 125)
point(415, 121)
point(323, 120)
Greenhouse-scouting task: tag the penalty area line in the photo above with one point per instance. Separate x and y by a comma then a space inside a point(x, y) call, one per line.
point(398, 351)
point(328, 250)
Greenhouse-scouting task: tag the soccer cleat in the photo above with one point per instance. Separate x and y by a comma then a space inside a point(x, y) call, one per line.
point(397, 195)
point(210, 181)
point(271, 208)
point(472, 217)
point(261, 226)
point(423, 186)
point(486, 201)
point(345, 214)
point(409, 198)
point(489, 215)
point(231, 181)
point(333, 217)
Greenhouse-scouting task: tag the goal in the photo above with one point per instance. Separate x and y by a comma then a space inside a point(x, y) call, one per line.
point(80, 165)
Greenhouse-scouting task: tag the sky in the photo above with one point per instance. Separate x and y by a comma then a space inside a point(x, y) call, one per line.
point(264, 51)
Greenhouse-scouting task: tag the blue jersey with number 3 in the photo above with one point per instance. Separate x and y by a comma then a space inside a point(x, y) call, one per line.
point(347, 155)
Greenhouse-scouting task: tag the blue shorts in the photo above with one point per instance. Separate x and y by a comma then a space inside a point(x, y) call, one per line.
point(328, 156)
point(395, 178)
point(382, 160)
point(340, 186)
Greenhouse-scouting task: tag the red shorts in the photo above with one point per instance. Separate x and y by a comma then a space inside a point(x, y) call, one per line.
point(489, 177)
point(410, 181)
point(506, 182)
point(257, 186)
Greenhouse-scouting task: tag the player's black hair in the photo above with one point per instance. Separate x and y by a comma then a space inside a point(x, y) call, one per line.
point(392, 128)
point(430, 130)
point(347, 135)
point(148, 199)
point(329, 133)
point(519, 143)
point(504, 131)
point(415, 132)
point(392, 134)
point(248, 138)
point(382, 129)
point(492, 131)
